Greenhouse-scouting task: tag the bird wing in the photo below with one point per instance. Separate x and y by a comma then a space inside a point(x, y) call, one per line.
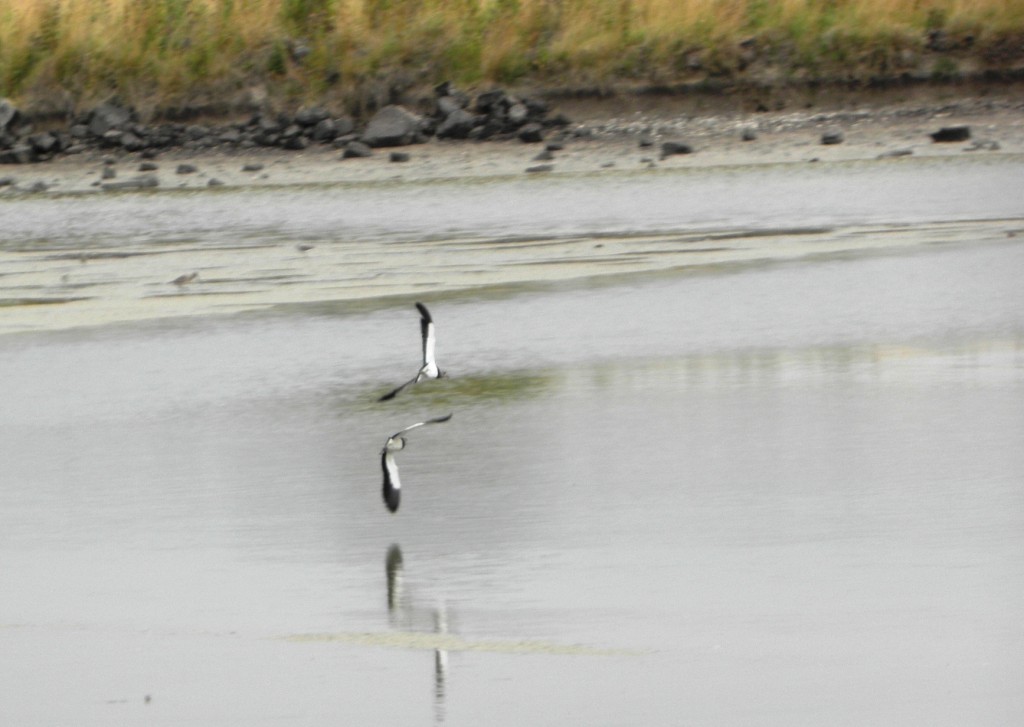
point(435, 420)
point(394, 392)
point(429, 335)
point(392, 488)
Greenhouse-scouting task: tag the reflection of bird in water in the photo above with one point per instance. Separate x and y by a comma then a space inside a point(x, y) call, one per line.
point(402, 614)
point(393, 568)
point(440, 664)
point(392, 490)
point(183, 280)
point(429, 369)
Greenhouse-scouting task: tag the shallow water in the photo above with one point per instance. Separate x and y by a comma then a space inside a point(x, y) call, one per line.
point(763, 493)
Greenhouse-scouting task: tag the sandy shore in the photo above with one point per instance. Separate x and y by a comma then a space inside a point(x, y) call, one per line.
point(606, 135)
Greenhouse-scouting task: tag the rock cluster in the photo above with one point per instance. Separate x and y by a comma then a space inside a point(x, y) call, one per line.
point(491, 115)
point(452, 114)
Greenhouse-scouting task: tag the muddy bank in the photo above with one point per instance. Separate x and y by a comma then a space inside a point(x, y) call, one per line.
point(591, 135)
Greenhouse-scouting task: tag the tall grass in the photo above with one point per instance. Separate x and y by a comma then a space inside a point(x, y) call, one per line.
point(167, 52)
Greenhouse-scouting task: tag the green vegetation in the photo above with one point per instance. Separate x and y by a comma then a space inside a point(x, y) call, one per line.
point(159, 54)
point(506, 386)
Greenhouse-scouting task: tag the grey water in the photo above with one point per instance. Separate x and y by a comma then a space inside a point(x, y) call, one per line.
point(741, 197)
point(770, 494)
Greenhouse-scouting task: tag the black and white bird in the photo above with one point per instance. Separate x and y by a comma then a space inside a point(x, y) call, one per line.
point(392, 490)
point(429, 369)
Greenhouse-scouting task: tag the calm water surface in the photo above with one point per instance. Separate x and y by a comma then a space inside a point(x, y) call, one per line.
point(786, 494)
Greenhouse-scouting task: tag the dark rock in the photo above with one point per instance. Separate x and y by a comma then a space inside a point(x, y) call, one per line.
point(392, 126)
point(488, 101)
point(536, 107)
point(832, 137)
point(311, 116)
point(252, 167)
point(131, 142)
point(952, 133)
point(457, 125)
point(447, 105)
point(196, 132)
point(144, 181)
point(186, 169)
point(398, 156)
point(540, 168)
point(111, 138)
point(748, 135)
point(230, 136)
point(325, 130)
point(554, 146)
point(108, 173)
point(268, 123)
point(448, 89)
point(356, 150)
point(43, 143)
point(19, 154)
point(490, 128)
point(344, 125)
point(214, 182)
point(7, 181)
point(148, 167)
point(645, 142)
point(79, 131)
point(295, 143)
point(107, 117)
point(671, 148)
point(531, 133)
point(544, 156)
point(39, 187)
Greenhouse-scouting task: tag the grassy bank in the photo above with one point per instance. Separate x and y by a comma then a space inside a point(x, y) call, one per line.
point(163, 54)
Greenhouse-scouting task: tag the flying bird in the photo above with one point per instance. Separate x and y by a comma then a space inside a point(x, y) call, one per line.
point(429, 369)
point(392, 490)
